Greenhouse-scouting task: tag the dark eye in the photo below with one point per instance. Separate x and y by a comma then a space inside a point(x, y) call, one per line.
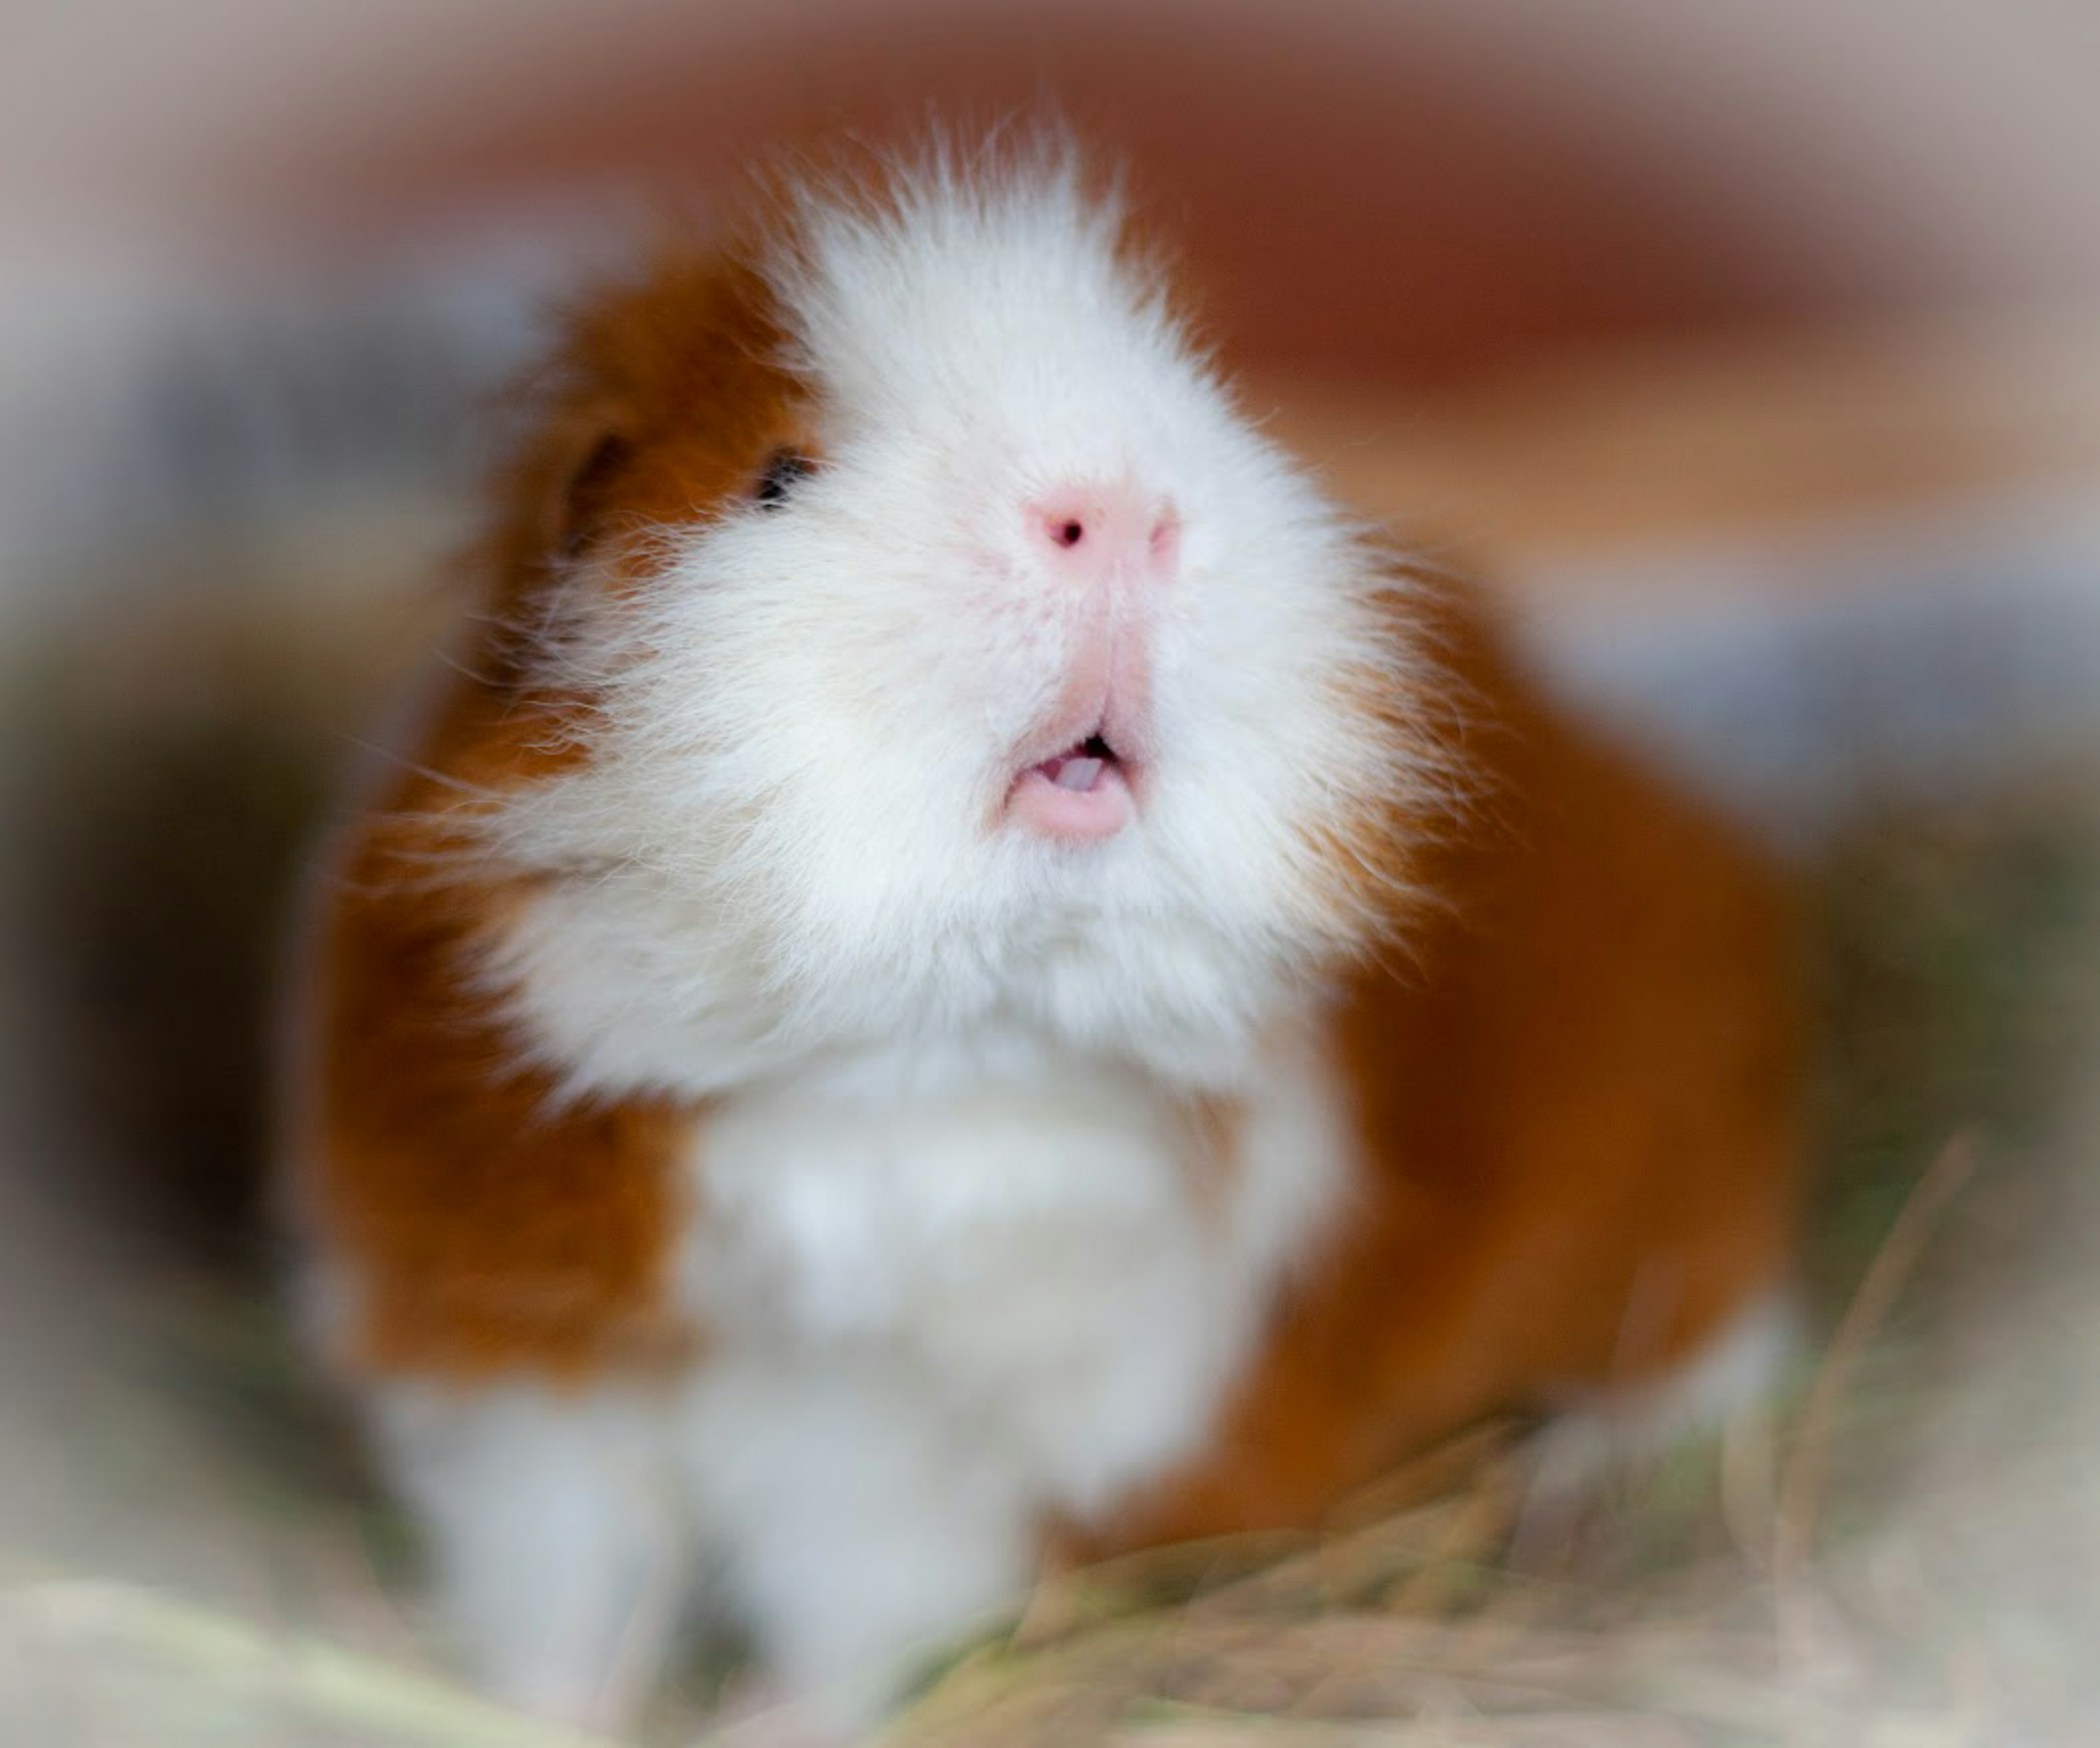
point(777, 478)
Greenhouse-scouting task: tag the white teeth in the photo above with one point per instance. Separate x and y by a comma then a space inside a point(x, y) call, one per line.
point(1078, 773)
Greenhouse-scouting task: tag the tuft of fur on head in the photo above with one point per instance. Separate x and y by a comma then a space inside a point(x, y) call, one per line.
point(795, 706)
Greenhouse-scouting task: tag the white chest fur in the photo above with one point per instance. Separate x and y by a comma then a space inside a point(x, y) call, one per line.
point(942, 1305)
point(1039, 1250)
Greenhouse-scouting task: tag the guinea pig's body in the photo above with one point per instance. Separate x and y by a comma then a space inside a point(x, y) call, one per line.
point(959, 962)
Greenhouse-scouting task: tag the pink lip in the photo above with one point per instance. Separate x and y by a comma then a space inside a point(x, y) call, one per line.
point(1080, 776)
point(1074, 796)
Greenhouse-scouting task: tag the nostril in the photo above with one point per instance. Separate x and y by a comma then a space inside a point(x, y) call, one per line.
point(1106, 530)
point(1165, 542)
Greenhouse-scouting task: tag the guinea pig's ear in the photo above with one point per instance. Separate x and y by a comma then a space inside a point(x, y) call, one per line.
point(586, 461)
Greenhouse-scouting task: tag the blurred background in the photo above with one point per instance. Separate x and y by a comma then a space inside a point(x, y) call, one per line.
point(1751, 348)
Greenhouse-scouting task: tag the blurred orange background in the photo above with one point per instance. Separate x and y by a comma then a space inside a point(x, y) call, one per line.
point(1407, 190)
point(1830, 257)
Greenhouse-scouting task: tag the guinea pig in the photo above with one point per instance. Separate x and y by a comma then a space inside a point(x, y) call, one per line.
point(961, 963)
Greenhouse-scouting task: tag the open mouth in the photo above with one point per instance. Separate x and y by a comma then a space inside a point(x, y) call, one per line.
point(1081, 794)
point(1080, 766)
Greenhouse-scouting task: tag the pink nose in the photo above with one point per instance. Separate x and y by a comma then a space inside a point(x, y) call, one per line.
point(1096, 534)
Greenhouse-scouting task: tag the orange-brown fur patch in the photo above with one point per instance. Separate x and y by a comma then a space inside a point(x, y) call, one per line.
point(481, 1223)
point(1577, 1097)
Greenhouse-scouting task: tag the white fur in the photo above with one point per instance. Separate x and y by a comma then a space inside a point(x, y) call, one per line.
point(555, 1525)
point(958, 1265)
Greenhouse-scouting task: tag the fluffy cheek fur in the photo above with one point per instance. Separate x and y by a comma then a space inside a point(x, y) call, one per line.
point(790, 822)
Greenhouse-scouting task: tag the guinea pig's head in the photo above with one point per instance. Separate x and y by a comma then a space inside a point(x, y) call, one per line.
point(949, 649)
